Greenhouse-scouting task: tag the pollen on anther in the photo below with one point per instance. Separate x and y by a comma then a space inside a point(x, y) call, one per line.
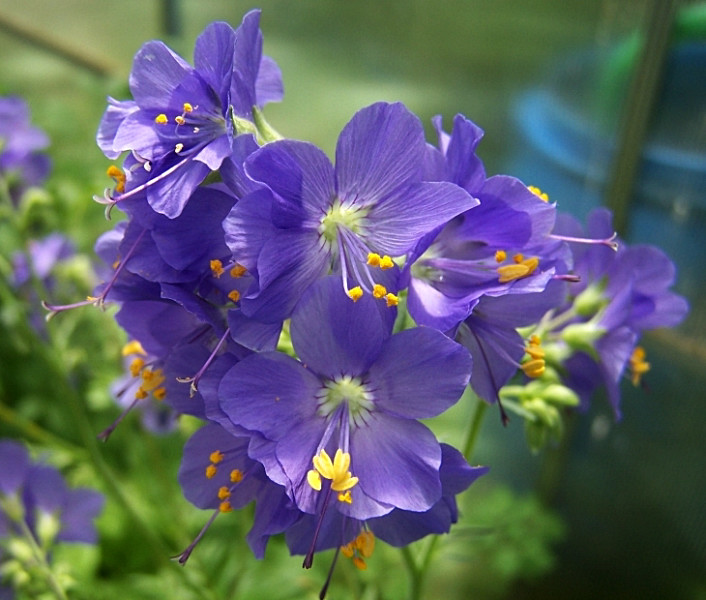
point(374, 259)
point(379, 291)
point(355, 293)
point(391, 299)
point(234, 295)
point(141, 394)
point(225, 506)
point(223, 493)
point(539, 193)
point(118, 176)
point(188, 107)
point(236, 476)
point(211, 471)
point(237, 271)
point(161, 119)
point(500, 256)
point(534, 368)
point(345, 497)
point(518, 258)
point(160, 393)
point(216, 268)
point(133, 347)
point(136, 366)
point(216, 456)
point(386, 262)
point(179, 120)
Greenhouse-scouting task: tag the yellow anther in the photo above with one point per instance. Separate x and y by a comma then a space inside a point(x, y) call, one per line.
point(216, 456)
point(531, 263)
point(118, 176)
point(179, 120)
point(365, 543)
point(236, 476)
point(379, 291)
point(188, 107)
point(359, 563)
point(638, 365)
point(534, 368)
point(512, 272)
point(136, 366)
point(225, 506)
point(336, 470)
point(216, 268)
point(211, 471)
point(179, 147)
point(161, 119)
point(518, 258)
point(141, 394)
point(539, 193)
point(234, 295)
point(152, 379)
point(348, 550)
point(223, 493)
point(535, 350)
point(345, 497)
point(314, 479)
point(500, 256)
point(133, 347)
point(238, 271)
point(355, 293)
point(392, 300)
point(160, 393)
point(386, 262)
point(374, 259)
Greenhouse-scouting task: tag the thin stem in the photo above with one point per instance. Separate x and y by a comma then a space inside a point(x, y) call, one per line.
point(41, 559)
point(473, 431)
point(415, 574)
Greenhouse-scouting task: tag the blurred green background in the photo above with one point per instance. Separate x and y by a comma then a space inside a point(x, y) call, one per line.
point(616, 512)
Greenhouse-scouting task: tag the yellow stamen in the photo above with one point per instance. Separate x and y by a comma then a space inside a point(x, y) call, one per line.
point(238, 271)
point(392, 300)
point(539, 193)
point(531, 263)
point(152, 379)
point(359, 563)
point(638, 365)
point(136, 366)
point(374, 259)
point(386, 262)
point(512, 272)
point(119, 177)
point(518, 258)
point(211, 471)
point(179, 120)
point(345, 497)
point(225, 506)
point(236, 476)
point(314, 479)
point(223, 493)
point(348, 550)
point(355, 293)
point(141, 394)
point(133, 347)
point(216, 456)
point(188, 107)
point(500, 256)
point(161, 119)
point(216, 268)
point(234, 295)
point(336, 470)
point(379, 291)
point(534, 368)
point(160, 393)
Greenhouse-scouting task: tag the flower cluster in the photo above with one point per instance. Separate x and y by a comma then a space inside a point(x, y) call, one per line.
point(312, 312)
point(37, 511)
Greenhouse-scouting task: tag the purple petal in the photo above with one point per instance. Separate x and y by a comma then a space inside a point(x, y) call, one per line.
point(156, 72)
point(114, 115)
point(397, 462)
point(268, 87)
point(379, 151)
point(14, 459)
point(213, 57)
point(406, 376)
point(82, 506)
point(334, 335)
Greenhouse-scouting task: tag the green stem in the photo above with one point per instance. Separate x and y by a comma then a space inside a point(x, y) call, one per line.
point(476, 421)
point(415, 574)
point(41, 559)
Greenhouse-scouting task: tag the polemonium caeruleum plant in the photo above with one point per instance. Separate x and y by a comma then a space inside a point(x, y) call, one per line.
point(311, 313)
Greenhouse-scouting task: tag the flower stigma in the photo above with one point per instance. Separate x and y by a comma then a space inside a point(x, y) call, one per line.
point(350, 390)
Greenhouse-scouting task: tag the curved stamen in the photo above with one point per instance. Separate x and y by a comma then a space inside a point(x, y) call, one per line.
point(194, 381)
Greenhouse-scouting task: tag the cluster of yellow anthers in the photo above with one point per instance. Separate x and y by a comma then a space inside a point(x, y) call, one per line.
point(535, 366)
point(152, 379)
point(337, 471)
point(119, 178)
point(520, 267)
point(236, 271)
point(224, 492)
point(539, 193)
point(162, 119)
point(360, 548)
point(638, 365)
point(379, 290)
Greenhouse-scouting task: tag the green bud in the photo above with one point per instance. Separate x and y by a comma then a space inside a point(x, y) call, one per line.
point(48, 526)
point(590, 301)
point(556, 393)
point(266, 131)
point(582, 336)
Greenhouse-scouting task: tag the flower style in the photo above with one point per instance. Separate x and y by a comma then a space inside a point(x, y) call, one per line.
point(341, 425)
point(351, 219)
point(180, 127)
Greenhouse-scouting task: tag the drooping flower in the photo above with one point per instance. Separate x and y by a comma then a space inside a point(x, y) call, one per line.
point(351, 219)
point(180, 127)
point(339, 426)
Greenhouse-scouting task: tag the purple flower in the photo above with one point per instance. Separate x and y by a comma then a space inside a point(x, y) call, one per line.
point(348, 219)
point(41, 490)
point(22, 163)
point(342, 423)
point(179, 127)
